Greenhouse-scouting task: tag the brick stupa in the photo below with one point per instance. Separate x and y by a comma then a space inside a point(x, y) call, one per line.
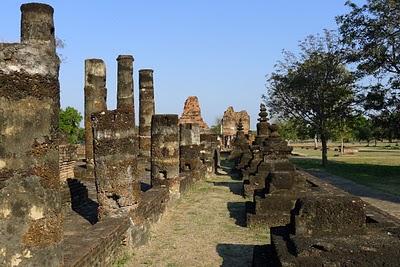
point(192, 113)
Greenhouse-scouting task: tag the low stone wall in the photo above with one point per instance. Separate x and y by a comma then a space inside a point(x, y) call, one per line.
point(100, 247)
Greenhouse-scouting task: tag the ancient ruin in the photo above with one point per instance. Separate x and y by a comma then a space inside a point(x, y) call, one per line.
point(31, 224)
point(229, 124)
point(146, 110)
point(125, 97)
point(91, 204)
point(192, 113)
point(118, 186)
point(95, 101)
point(312, 223)
point(164, 150)
point(241, 153)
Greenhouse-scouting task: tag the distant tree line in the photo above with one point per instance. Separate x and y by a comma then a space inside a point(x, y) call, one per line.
point(342, 84)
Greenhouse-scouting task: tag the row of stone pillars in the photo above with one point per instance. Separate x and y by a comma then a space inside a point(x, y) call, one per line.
point(113, 146)
point(31, 219)
point(96, 101)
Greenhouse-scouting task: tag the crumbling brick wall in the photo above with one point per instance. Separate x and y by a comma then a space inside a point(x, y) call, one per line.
point(67, 160)
point(118, 186)
point(30, 204)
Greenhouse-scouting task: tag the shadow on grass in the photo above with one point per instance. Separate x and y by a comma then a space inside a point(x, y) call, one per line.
point(235, 254)
point(383, 178)
point(235, 187)
point(237, 211)
point(227, 166)
point(247, 255)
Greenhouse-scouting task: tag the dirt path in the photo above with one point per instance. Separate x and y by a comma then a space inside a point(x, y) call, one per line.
point(383, 201)
point(205, 228)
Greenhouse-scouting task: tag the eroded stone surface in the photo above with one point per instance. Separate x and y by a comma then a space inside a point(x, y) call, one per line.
point(231, 119)
point(115, 153)
point(192, 113)
point(146, 110)
point(31, 221)
point(95, 101)
point(164, 149)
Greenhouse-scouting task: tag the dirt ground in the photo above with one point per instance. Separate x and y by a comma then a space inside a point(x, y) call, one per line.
point(205, 228)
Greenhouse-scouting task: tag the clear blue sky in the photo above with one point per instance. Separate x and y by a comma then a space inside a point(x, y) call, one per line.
point(219, 50)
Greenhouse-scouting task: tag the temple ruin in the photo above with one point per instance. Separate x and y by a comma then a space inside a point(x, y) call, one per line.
point(229, 123)
point(192, 113)
point(86, 205)
point(311, 222)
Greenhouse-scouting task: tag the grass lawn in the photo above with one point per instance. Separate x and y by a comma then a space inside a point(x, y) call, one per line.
point(374, 168)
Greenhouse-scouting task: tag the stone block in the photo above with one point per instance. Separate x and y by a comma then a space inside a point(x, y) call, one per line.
point(329, 216)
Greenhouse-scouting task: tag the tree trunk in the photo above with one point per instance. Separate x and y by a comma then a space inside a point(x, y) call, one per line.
point(342, 147)
point(324, 150)
point(315, 142)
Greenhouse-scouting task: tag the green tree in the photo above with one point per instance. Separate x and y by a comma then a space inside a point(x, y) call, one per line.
point(292, 130)
point(383, 107)
point(69, 122)
point(362, 129)
point(216, 128)
point(288, 130)
point(314, 87)
point(372, 35)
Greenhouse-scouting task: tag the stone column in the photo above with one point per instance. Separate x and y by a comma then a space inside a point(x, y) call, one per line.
point(189, 151)
point(95, 101)
point(125, 98)
point(210, 152)
point(31, 225)
point(164, 149)
point(146, 110)
point(37, 25)
point(118, 186)
point(189, 134)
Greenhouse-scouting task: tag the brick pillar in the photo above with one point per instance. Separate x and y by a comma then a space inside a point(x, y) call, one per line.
point(125, 98)
point(164, 149)
point(146, 110)
point(31, 224)
point(118, 186)
point(95, 101)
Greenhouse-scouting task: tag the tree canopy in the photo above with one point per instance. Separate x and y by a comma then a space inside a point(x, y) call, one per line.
point(314, 87)
point(69, 122)
point(371, 34)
